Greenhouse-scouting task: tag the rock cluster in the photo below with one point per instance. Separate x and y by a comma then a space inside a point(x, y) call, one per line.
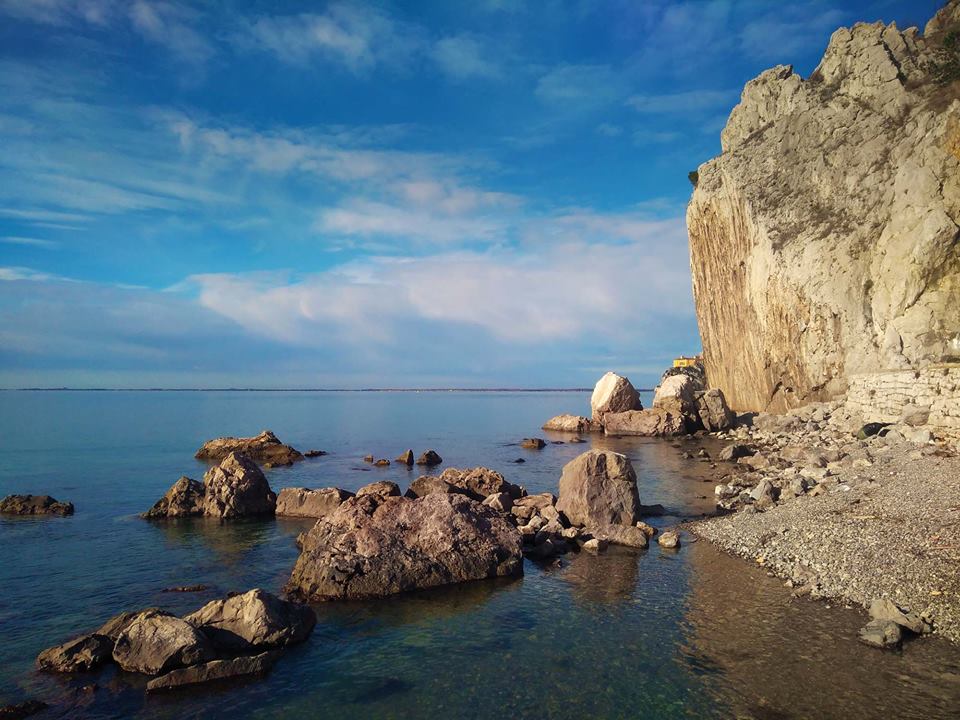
point(225, 638)
point(234, 488)
point(824, 238)
point(34, 505)
point(265, 448)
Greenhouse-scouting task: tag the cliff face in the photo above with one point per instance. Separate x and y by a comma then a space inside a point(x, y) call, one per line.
point(825, 239)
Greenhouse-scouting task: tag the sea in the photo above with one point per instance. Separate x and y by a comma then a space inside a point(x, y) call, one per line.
point(656, 633)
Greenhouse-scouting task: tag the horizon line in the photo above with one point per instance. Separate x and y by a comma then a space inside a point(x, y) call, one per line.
point(324, 390)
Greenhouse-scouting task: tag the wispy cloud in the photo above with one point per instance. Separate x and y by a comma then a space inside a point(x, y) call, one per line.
point(29, 242)
point(464, 57)
point(581, 85)
point(689, 101)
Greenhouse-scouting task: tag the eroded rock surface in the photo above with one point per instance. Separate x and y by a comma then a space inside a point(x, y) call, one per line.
point(34, 505)
point(303, 502)
point(374, 546)
point(183, 499)
point(599, 488)
point(825, 239)
point(613, 394)
point(263, 448)
point(237, 488)
point(653, 422)
point(254, 620)
point(156, 642)
point(569, 423)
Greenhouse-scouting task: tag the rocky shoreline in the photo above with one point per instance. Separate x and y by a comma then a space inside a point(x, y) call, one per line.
point(840, 513)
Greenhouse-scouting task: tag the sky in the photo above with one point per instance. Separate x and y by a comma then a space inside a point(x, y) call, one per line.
point(286, 194)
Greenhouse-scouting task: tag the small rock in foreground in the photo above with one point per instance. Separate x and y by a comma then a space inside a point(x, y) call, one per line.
point(884, 634)
point(669, 539)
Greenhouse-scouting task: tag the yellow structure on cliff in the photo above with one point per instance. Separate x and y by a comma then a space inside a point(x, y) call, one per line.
point(684, 361)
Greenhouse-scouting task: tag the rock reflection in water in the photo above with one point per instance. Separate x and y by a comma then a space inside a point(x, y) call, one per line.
point(769, 655)
point(609, 577)
point(230, 541)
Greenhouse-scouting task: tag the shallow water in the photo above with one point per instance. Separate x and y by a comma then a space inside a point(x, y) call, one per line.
point(651, 634)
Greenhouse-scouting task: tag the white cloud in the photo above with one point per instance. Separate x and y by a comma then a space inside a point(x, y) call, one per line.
point(464, 57)
point(563, 290)
point(29, 242)
point(360, 37)
point(15, 274)
point(168, 25)
point(609, 130)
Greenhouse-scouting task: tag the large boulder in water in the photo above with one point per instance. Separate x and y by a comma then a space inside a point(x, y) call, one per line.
point(373, 547)
point(480, 482)
point(303, 502)
point(654, 422)
point(34, 505)
point(215, 670)
point(183, 499)
point(613, 394)
point(265, 448)
point(237, 488)
point(599, 488)
point(156, 642)
point(254, 620)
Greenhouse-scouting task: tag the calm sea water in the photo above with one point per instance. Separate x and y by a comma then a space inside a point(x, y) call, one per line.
point(628, 634)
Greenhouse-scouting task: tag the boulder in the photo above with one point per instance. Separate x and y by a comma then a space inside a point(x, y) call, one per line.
point(595, 545)
point(715, 414)
point(655, 422)
point(34, 505)
point(915, 415)
point(480, 482)
point(532, 443)
point(383, 488)
point(254, 620)
point(569, 423)
point(884, 634)
point(406, 458)
point(501, 502)
point(599, 488)
point(677, 395)
point(429, 458)
point(80, 654)
point(883, 609)
point(264, 448)
point(245, 666)
point(625, 535)
point(430, 484)
point(613, 394)
point(237, 488)
point(183, 499)
point(118, 623)
point(302, 502)
point(538, 501)
point(669, 539)
point(735, 451)
point(155, 643)
point(374, 547)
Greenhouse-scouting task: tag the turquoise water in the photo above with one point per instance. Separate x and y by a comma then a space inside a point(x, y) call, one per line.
point(649, 634)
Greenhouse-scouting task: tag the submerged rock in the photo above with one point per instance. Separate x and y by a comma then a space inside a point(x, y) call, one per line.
point(183, 499)
point(599, 488)
point(533, 443)
point(303, 502)
point(252, 621)
point(373, 547)
point(613, 394)
point(237, 488)
point(20, 711)
point(264, 448)
point(569, 423)
point(34, 505)
point(246, 666)
point(669, 539)
point(655, 422)
point(156, 642)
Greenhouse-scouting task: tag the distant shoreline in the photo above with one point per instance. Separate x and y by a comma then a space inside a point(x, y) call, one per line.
point(316, 390)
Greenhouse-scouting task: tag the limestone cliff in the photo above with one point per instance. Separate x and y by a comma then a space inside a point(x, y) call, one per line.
point(825, 239)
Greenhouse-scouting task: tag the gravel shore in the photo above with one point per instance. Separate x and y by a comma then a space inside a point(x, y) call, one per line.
point(884, 522)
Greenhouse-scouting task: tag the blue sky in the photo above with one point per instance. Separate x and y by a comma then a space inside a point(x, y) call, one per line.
point(292, 194)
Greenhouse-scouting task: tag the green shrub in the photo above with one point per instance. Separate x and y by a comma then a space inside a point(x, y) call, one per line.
point(946, 68)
